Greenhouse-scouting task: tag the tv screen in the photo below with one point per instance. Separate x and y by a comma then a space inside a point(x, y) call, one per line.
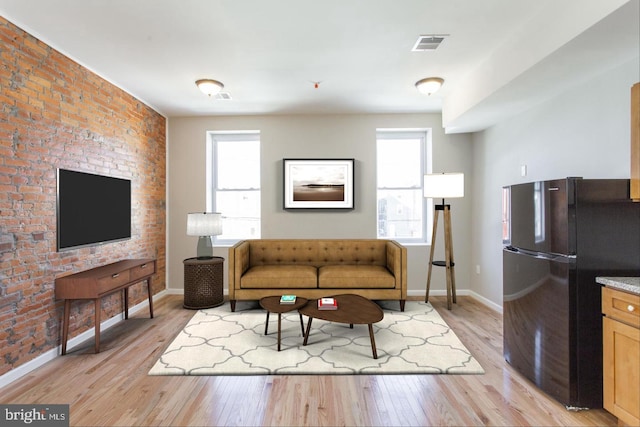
point(92, 209)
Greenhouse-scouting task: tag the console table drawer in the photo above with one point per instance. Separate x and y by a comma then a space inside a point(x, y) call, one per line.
point(106, 284)
point(142, 270)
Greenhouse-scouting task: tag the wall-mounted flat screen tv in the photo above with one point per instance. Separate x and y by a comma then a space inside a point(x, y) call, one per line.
point(92, 209)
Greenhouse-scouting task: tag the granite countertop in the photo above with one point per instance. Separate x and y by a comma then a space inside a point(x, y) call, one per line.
point(627, 284)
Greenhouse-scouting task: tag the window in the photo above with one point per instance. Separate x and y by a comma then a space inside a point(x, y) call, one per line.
point(403, 159)
point(233, 183)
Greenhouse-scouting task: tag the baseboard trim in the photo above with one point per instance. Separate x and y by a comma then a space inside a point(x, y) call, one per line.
point(26, 368)
point(462, 292)
point(487, 302)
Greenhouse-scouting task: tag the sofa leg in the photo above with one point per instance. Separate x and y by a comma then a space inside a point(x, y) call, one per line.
point(233, 305)
point(402, 304)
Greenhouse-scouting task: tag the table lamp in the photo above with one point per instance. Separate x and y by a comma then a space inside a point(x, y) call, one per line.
point(443, 186)
point(205, 225)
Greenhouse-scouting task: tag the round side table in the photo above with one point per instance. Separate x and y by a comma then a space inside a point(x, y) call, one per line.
point(203, 282)
point(272, 305)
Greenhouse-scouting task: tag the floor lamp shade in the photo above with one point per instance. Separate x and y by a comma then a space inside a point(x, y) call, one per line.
point(204, 225)
point(444, 185)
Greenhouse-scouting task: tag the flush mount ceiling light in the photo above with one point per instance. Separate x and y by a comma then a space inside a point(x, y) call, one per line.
point(209, 86)
point(429, 85)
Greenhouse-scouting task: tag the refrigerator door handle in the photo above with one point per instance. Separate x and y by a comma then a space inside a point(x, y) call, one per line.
point(565, 259)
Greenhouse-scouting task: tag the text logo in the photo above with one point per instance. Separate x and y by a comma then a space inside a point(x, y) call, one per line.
point(34, 415)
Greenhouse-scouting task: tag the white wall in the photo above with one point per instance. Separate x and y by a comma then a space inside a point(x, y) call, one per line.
point(321, 136)
point(583, 132)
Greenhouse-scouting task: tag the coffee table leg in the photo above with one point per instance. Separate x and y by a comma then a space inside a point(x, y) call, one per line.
point(373, 342)
point(266, 325)
point(306, 335)
point(301, 323)
point(279, 322)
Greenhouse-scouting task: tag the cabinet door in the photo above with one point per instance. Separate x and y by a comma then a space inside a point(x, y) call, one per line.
point(621, 363)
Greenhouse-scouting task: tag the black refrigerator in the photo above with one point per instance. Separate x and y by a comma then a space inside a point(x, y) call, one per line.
point(558, 237)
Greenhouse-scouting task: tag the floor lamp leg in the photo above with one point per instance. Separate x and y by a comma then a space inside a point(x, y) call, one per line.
point(449, 262)
point(433, 245)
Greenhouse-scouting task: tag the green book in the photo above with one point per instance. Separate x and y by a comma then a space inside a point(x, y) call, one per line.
point(287, 299)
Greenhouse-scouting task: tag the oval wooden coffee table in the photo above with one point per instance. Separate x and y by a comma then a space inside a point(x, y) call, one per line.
point(352, 309)
point(272, 305)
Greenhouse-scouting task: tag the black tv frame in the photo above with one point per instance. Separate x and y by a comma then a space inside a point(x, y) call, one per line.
point(91, 209)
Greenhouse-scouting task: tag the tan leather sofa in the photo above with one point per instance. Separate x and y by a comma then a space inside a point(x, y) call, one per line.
point(315, 268)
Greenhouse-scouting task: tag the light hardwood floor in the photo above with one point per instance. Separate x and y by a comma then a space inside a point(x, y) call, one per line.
point(112, 388)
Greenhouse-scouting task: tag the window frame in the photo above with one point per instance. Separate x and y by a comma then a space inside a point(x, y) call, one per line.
point(213, 138)
point(425, 135)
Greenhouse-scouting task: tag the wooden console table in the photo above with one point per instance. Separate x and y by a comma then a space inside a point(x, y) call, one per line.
point(102, 281)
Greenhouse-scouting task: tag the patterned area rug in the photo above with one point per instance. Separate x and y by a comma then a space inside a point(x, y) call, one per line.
point(219, 342)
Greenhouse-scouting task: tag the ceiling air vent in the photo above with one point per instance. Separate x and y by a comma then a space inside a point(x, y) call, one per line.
point(223, 96)
point(430, 42)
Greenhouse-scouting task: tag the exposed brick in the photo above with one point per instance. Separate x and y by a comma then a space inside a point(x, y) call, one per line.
point(56, 114)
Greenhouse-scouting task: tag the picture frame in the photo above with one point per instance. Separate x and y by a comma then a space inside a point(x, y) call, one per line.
point(318, 183)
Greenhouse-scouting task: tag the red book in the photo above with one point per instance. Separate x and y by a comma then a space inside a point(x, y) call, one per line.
point(327, 304)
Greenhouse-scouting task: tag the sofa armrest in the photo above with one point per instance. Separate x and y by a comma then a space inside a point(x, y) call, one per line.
point(397, 264)
point(238, 264)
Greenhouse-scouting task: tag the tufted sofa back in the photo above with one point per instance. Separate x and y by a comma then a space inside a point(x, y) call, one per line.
point(317, 252)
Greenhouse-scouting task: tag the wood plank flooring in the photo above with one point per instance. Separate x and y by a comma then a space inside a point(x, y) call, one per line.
point(112, 388)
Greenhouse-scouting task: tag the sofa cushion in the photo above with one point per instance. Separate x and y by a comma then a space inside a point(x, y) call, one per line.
point(280, 276)
point(355, 276)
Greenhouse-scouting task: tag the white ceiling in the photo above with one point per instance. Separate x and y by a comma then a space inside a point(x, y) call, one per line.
point(501, 56)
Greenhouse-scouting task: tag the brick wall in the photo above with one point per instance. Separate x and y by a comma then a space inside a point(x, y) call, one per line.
point(55, 113)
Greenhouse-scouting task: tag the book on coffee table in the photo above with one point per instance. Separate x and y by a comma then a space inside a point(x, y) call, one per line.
point(288, 299)
point(327, 304)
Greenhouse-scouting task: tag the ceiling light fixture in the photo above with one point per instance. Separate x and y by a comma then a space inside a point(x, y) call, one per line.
point(209, 86)
point(429, 85)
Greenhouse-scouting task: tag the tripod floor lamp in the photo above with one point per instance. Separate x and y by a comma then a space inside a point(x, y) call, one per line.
point(443, 186)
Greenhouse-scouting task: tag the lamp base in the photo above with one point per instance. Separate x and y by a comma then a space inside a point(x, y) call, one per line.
point(205, 247)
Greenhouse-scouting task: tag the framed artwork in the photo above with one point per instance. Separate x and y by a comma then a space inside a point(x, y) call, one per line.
point(318, 183)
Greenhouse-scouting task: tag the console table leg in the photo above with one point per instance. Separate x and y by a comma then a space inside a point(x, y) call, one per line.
point(97, 320)
point(126, 303)
point(65, 327)
point(150, 297)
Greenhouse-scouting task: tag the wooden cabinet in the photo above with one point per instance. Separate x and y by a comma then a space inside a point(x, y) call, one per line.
point(621, 355)
point(635, 142)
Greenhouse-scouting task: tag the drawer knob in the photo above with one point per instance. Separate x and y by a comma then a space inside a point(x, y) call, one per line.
point(113, 276)
point(143, 266)
point(630, 308)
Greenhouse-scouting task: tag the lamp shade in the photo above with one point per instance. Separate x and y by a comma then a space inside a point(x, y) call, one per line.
point(204, 224)
point(444, 185)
